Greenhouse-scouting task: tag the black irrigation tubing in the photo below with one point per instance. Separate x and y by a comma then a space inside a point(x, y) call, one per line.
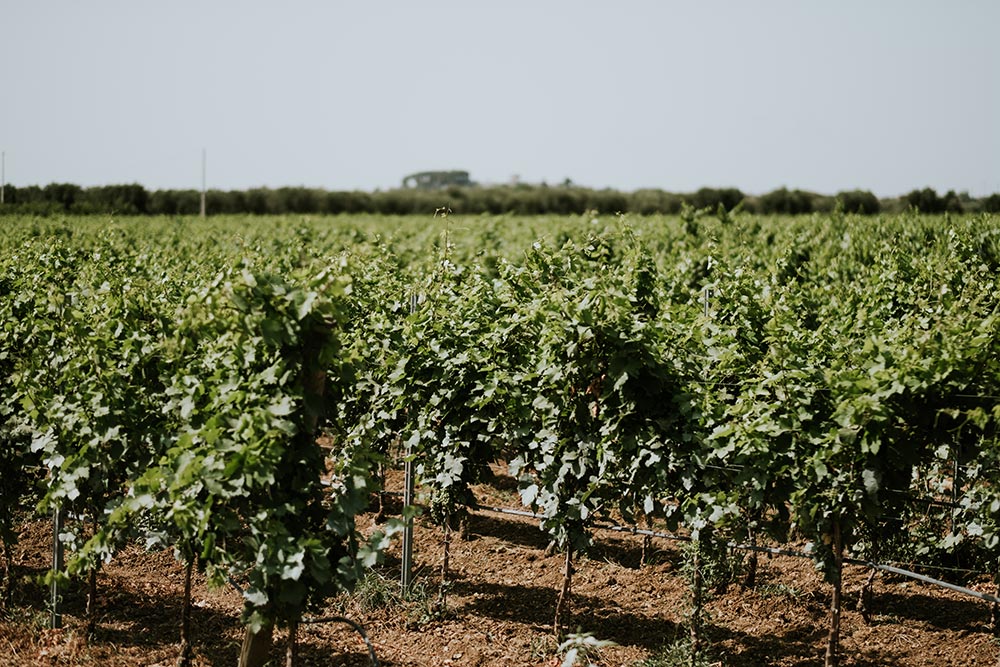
point(232, 582)
point(924, 578)
point(823, 388)
point(357, 627)
point(739, 468)
point(919, 499)
point(928, 501)
point(779, 552)
point(732, 545)
point(654, 533)
point(943, 568)
point(730, 383)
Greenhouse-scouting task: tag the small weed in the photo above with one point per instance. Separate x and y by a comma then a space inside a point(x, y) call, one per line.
point(376, 592)
point(542, 647)
point(582, 649)
point(678, 654)
point(422, 606)
point(26, 616)
point(777, 591)
point(888, 619)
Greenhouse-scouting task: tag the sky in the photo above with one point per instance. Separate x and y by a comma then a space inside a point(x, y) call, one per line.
point(883, 95)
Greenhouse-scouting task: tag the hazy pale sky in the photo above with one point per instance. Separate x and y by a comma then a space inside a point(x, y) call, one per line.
point(887, 95)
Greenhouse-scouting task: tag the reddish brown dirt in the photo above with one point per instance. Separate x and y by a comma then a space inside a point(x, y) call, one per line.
point(499, 610)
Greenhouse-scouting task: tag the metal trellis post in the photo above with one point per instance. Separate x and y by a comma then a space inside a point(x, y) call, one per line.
point(57, 565)
point(406, 577)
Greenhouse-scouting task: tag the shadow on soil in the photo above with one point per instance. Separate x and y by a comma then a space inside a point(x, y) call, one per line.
point(521, 533)
point(617, 548)
point(944, 614)
point(795, 647)
point(536, 605)
point(128, 618)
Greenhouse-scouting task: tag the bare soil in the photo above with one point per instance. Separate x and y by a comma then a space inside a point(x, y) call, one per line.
point(499, 608)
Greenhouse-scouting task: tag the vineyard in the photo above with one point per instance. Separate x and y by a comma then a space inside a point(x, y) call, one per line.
point(244, 393)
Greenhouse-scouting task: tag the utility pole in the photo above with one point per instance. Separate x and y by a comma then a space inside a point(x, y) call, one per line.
point(203, 160)
point(3, 174)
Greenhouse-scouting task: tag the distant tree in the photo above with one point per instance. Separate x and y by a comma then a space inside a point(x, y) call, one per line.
point(925, 201)
point(63, 195)
point(952, 203)
point(174, 202)
point(255, 201)
point(862, 202)
point(649, 201)
point(129, 199)
point(711, 198)
point(606, 201)
point(789, 202)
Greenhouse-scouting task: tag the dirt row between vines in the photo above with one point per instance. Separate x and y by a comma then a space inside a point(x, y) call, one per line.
point(499, 609)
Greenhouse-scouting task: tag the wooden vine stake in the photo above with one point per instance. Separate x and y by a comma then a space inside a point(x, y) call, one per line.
point(8, 577)
point(564, 592)
point(187, 652)
point(865, 598)
point(646, 552)
point(753, 561)
point(256, 649)
point(995, 612)
point(443, 591)
point(92, 602)
point(995, 608)
point(697, 602)
point(57, 566)
point(291, 651)
point(833, 640)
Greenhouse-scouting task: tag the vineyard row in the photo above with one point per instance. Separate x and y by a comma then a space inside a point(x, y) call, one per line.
point(229, 391)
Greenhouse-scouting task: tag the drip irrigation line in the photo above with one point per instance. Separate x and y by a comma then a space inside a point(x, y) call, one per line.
point(819, 388)
point(770, 550)
point(740, 468)
point(781, 552)
point(943, 568)
point(744, 547)
point(232, 582)
point(919, 499)
point(640, 531)
point(928, 580)
point(655, 533)
point(725, 468)
point(504, 510)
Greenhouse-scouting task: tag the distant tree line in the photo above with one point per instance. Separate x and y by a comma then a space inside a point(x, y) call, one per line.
point(523, 199)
